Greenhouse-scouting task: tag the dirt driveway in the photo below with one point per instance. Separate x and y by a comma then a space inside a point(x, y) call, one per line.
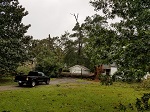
point(53, 82)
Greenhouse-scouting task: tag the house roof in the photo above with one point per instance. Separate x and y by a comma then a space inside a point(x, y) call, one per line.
point(80, 66)
point(108, 66)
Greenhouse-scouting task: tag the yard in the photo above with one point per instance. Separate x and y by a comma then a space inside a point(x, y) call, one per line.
point(71, 96)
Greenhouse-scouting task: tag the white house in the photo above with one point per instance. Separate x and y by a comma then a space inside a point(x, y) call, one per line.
point(112, 67)
point(113, 70)
point(79, 69)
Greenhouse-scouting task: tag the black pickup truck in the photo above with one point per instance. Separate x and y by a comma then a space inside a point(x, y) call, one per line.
point(32, 78)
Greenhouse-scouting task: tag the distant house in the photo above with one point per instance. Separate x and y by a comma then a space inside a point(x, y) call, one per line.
point(79, 69)
point(112, 68)
point(105, 69)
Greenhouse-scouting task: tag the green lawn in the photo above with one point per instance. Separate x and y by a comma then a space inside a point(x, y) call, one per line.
point(71, 97)
point(7, 81)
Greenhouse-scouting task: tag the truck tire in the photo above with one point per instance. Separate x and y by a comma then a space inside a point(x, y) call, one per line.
point(33, 83)
point(20, 84)
point(47, 81)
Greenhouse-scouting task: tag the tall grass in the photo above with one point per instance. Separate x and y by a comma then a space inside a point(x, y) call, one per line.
point(7, 81)
point(73, 97)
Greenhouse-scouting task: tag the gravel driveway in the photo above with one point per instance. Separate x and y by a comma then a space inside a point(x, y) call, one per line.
point(52, 82)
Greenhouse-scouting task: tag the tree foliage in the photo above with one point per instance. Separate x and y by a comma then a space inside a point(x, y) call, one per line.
point(48, 55)
point(13, 42)
point(78, 33)
point(132, 45)
point(99, 42)
point(69, 50)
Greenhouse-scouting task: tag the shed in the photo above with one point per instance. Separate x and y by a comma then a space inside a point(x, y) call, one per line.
point(79, 69)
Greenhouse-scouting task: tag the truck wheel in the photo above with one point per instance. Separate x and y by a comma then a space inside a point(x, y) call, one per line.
point(47, 81)
point(20, 84)
point(33, 83)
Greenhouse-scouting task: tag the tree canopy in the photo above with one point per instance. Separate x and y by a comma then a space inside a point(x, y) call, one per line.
point(132, 42)
point(127, 42)
point(13, 42)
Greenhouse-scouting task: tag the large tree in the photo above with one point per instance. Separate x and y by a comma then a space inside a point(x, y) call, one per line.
point(78, 34)
point(48, 54)
point(69, 50)
point(99, 43)
point(132, 52)
point(13, 42)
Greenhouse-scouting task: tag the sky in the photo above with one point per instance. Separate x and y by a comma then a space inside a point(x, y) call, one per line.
point(54, 17)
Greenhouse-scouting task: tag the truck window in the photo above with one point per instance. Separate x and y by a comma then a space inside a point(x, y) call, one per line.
point(33, 74)
point(40, 74)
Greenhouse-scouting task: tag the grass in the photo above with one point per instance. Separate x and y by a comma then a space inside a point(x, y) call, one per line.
point(71, 97)
point(6, 81)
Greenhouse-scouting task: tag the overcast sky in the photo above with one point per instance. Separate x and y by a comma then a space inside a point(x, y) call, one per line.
point(54, 16)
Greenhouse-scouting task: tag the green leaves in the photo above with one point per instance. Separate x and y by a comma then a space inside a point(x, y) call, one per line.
point(13, 43)
point(100, 40)
point(132, 42)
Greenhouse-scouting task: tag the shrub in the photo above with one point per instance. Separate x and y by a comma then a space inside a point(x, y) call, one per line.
point(24, 69)
point(145, 84)
point(106, 79)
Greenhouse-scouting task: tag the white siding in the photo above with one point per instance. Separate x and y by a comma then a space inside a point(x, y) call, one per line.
point(113, 70)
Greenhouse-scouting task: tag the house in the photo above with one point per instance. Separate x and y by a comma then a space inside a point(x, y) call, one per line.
point(79, 69)
point(113, 68)
point(104, 69)
point(110, 69)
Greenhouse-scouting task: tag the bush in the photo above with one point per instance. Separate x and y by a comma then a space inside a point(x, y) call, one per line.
point(49, 70)
point(145, 84)
point(66, 70)
point(23, 69)
point(106, 79)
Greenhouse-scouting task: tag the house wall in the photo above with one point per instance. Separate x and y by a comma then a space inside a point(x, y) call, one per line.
point(113, 70)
